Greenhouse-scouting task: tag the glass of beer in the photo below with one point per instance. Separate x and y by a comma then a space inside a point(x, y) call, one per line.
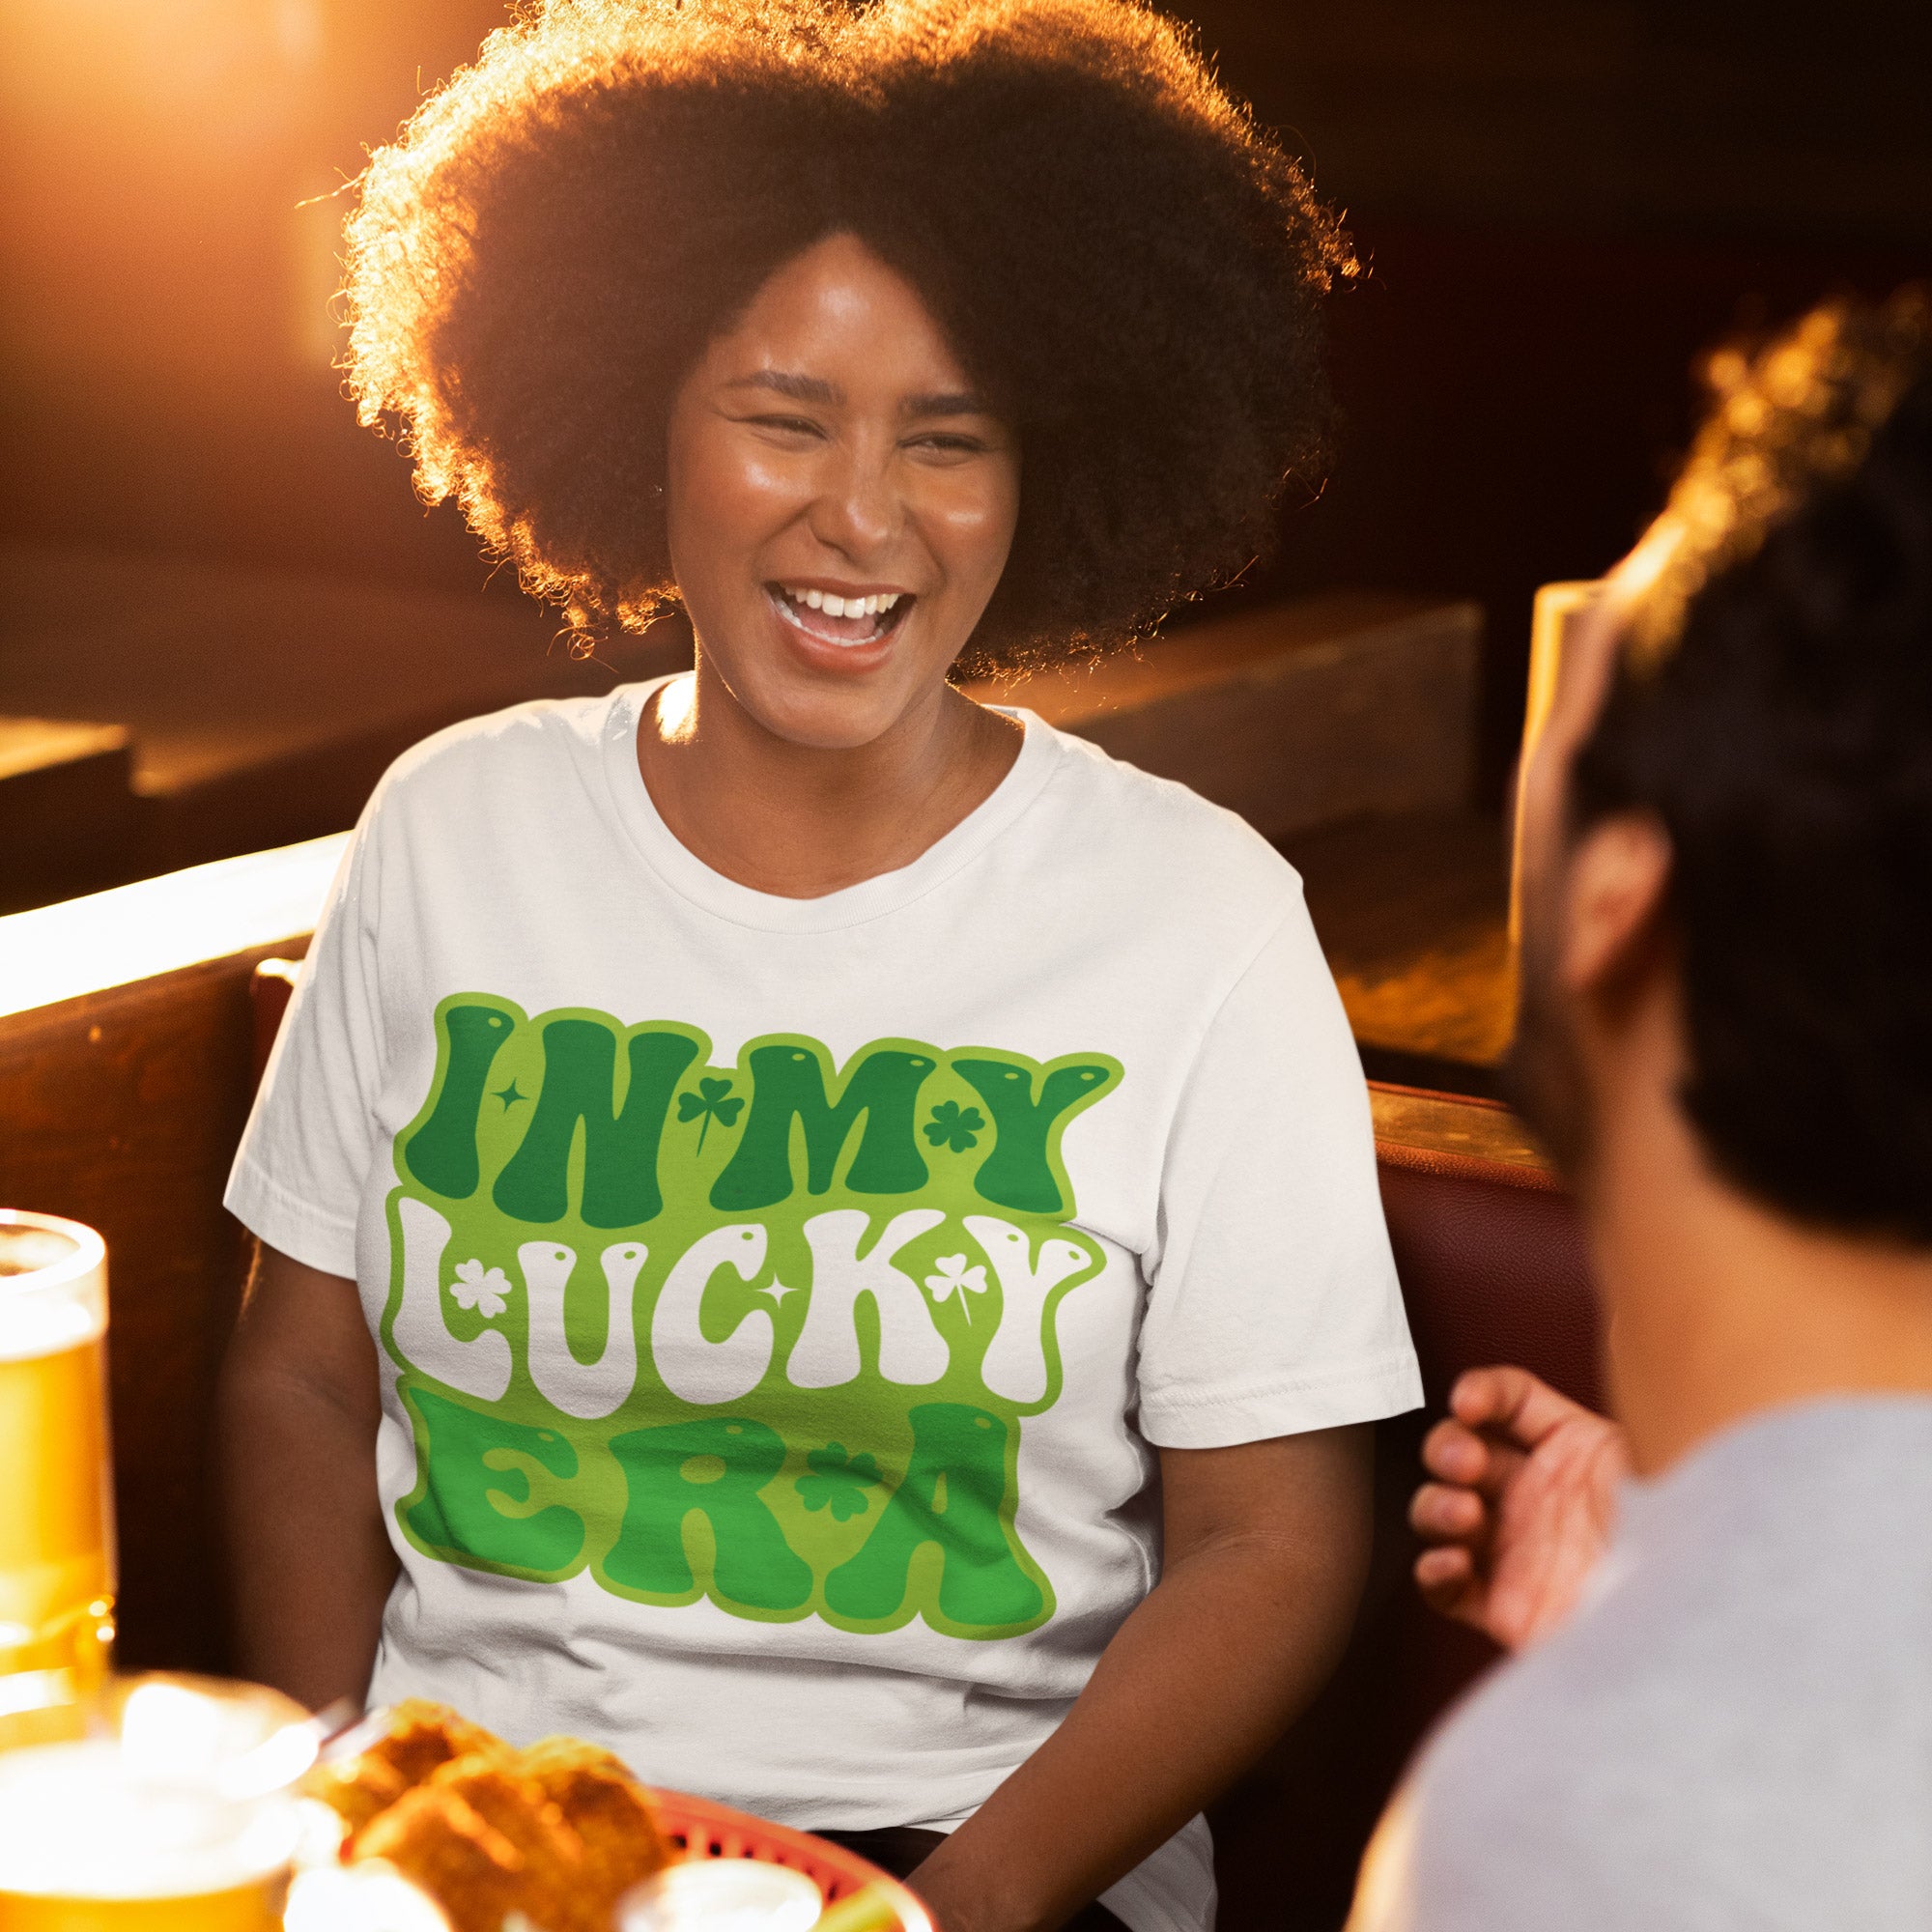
point(56, 1503)
point(176, 1814)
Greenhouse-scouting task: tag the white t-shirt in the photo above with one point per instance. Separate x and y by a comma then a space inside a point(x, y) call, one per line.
point(780, 1300)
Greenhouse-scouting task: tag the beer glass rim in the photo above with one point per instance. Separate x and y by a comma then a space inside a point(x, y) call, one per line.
point(90, 1252)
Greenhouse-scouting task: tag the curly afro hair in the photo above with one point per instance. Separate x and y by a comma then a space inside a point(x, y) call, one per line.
point(1128, 265)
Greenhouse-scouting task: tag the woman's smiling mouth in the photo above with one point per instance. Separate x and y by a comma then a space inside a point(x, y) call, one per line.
point(828, 618)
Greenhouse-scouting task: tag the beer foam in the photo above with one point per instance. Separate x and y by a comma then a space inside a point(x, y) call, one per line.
point(79, 1821)
point(45, 1245)
point(28, 1250)
point(44, 1325)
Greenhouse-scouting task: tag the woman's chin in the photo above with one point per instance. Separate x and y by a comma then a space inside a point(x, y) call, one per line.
point(829, 694)
point(822, 713)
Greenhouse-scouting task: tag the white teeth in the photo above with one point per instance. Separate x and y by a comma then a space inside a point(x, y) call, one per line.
point(836, 605)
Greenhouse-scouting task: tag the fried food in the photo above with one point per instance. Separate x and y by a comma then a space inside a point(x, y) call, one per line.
point(420, 1737)
point(558, 1833)
point(357, 1789)
point(482, 1839)
point(443, 1846)
point(606, 1807)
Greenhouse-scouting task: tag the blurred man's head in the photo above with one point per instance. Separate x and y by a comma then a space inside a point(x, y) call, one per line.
point(1727, 837)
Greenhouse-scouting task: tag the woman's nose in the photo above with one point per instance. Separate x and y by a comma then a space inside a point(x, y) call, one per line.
point(858, 510)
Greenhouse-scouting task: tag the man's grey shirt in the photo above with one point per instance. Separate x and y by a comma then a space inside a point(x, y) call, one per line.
point(1734, 1729)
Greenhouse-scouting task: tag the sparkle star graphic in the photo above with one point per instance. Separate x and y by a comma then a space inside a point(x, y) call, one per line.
point(509, 1095)
point(776, 1289)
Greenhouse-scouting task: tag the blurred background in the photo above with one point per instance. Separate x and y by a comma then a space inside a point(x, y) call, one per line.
point(222, 608)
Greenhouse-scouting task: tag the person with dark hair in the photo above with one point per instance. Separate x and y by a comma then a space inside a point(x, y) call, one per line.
point(819, 1234)
point(1721, 1707)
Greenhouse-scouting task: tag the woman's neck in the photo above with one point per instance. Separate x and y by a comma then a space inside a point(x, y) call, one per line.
point(799, 820)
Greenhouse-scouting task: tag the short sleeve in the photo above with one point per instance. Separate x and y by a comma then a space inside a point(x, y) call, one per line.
point(305, 1154)
point(1272, 1304)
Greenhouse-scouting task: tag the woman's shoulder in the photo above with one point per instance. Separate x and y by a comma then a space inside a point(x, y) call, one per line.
point(1163, 836)
point(534, 744)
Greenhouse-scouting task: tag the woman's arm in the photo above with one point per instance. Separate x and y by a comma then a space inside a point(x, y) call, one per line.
point(1267, 1546)
point(309, 1566)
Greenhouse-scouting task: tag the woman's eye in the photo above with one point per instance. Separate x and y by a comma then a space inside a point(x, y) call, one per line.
point(788, 425)
point(948, 444)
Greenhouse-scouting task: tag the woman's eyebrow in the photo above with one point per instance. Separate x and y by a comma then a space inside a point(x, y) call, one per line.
point(798, 388)
point(944, 403)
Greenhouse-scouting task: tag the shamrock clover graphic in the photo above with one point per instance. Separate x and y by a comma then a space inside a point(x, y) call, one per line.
point(709, 1105)
point(838, 1482)
point(954, 1127)
point(954, 1277)
point(487, 1290)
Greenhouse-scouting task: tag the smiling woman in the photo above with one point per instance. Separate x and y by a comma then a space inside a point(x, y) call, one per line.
point(839, 507)
point(1126, 265)
point(679, 1326)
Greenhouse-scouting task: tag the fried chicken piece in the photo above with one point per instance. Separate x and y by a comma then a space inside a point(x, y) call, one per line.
point(357, 1789)
point(609, 1810)
point(420, 1737)
point(442, 1845)
point(475, 1833)
point(558, 1833)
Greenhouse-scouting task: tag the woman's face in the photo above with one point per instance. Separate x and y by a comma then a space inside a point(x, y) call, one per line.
point(840, 501)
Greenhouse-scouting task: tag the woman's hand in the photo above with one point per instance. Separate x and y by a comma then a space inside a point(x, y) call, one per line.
point(1266, 1548)
point(1521, 1507)
point(309, 1564)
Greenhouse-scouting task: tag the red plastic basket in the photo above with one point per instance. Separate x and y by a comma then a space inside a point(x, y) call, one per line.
point(702, 1829)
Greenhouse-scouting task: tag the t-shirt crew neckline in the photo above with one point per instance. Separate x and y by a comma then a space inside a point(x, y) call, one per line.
point(688, 875)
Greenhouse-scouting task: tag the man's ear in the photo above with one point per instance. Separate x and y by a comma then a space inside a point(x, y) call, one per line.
point(1617, 876)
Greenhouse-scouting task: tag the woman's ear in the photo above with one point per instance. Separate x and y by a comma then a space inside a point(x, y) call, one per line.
point(1618, 875)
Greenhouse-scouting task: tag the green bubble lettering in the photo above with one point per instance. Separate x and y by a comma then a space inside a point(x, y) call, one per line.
point(951, 1496)
point(789, 1085)
point(442, 1152)
point(474, 1504)
point(716, 1467)
point(1020, 1172)
point(828, 1428)
point(620, 1148)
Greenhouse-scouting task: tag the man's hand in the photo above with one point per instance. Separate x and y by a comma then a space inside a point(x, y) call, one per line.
point(1521, 1507)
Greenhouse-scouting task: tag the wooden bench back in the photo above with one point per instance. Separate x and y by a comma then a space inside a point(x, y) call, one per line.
point(126, 1072)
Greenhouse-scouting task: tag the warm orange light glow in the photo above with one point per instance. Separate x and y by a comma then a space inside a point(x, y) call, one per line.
point(209, 912)
point(1557, 608)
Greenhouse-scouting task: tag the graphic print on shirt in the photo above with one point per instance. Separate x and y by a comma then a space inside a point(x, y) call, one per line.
point(762, 1333)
